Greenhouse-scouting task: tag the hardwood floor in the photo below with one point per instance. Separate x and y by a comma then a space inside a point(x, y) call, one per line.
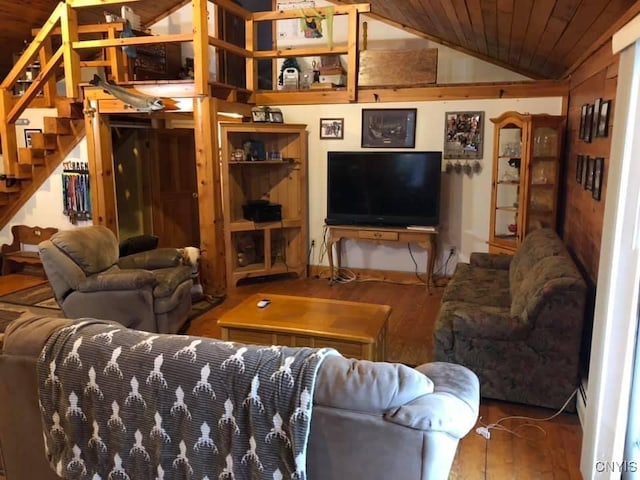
point(551, 452)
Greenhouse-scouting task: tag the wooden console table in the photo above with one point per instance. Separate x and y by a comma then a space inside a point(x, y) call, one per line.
point(424, 238)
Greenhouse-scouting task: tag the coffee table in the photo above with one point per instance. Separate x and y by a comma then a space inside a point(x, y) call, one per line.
point(355, 329)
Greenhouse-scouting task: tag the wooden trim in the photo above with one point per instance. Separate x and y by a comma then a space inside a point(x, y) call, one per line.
point(29, 54)
point(229, 47)
point(251, 64)
point(476, 91)
point(95, 3)
point(599, 60)
point(230, 7)
point(121, 42)
point(352, 58)
point(302, 52)
point(289, 14)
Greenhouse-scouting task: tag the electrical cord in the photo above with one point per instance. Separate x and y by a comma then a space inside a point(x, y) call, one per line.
point(485, 429)
point(416, 265)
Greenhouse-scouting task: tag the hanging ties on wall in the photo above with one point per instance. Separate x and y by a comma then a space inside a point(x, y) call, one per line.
point(76, 194)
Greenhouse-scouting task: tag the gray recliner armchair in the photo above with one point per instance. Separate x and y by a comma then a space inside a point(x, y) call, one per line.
point(148, 291)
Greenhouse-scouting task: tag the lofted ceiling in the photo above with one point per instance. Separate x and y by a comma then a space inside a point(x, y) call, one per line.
point(543, 39)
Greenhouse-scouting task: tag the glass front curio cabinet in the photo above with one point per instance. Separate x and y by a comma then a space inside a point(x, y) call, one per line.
point(526, 168)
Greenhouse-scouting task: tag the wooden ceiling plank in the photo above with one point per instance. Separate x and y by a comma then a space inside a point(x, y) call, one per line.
point(419, 10)
point(540, 15)
point(477, 24)
point(586, 45)
point(454, 22)
point(490, 18)
point(505, 20)
point(460, 7)
point(552, 33)
point(519, 27)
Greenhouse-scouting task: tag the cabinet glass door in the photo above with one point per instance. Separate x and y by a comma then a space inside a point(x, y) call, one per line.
point(507, 188)
point(543, 178)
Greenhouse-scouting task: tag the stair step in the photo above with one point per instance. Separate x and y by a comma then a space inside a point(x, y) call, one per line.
point(58, 125)
point(25, 172)
point(31, 156)
point(45, 141)
point(4, 199)
point(68, 108)
point(13, 188)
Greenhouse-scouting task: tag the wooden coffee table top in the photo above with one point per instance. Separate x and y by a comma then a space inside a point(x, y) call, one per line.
point(314, 316)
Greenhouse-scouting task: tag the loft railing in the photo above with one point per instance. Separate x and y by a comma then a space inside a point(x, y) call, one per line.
point(64, 22)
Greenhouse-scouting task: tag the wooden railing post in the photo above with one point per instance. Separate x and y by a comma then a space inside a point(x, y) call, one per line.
point(115, 57)
point(69, 30)
point(49, 88)
point(8, 134)
point(251, 63)
point(200, 47)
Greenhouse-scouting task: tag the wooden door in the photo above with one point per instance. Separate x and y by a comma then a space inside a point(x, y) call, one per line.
point(174, 188)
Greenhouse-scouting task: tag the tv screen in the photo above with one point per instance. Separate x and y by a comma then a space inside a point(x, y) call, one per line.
point(383, 188)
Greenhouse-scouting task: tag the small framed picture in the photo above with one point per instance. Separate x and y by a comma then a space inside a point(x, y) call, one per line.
point(598, 168)
point(603, 121)
point(275, 116)
point(579, 168)
point(588, 177)
point(583, 118)
point(588, 124)
point(596, 117)
point(259, 114)
point(27, 135)
point(331, 128)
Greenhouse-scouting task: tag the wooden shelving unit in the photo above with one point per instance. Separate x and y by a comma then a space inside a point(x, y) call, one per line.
point(526, 164)
point(255, 249)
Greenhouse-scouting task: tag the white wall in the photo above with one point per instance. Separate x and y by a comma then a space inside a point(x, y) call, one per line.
point(44, 209)
point(465, 201)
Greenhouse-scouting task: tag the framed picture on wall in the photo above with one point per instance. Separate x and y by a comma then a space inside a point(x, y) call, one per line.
point(388, 127)
point(583, 118)
point(596, 117)
point(603, 121)
point(588, 176)
point(588, 124)
point(598, 167)
point(331, 128)
point(27, 135)
point(579, 168)
point(463, 135)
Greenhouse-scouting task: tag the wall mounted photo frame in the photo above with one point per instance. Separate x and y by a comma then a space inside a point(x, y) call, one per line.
point(331, 128)
point(579, 168)
point(588, 124)
point(596, 117)
point(588, 176)
point(603, 120)
point(463, 135)
point(598, 170)
point(27, 135)
point(583, 118)
point(388, 128)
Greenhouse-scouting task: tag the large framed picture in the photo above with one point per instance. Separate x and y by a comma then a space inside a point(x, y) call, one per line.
point(389, 128)
point(463, 135)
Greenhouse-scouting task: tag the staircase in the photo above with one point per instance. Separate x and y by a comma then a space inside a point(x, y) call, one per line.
point(36, 163)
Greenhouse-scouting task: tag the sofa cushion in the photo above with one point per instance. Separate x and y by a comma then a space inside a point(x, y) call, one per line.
point(538, 244)
point(480, 286)
point(551, 275)
point(94, 251)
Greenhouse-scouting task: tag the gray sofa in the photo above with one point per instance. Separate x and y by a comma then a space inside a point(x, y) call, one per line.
point(369, 421)
point(148, 291)
point(516, 321)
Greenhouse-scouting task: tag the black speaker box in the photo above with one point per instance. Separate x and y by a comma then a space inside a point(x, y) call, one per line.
point(262, 211)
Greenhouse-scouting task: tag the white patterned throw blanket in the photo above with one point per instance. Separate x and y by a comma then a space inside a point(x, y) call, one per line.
point(120, 404)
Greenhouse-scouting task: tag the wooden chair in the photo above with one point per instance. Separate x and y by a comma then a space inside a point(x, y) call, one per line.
point(14, 256)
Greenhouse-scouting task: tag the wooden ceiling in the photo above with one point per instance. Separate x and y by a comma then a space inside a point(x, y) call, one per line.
point(544, 39)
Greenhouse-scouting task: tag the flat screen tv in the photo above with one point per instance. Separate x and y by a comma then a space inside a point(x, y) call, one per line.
point(383, 188)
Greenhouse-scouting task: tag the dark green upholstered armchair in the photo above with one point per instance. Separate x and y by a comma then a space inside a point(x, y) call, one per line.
point(147, 291)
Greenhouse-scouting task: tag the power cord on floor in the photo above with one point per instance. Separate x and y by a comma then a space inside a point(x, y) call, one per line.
point(485, 430)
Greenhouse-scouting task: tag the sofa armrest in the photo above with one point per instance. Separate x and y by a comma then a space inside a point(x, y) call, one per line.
point(490, 260)
point(488, 322)
point(118, 280)
point(451, 408)
point(152, 259)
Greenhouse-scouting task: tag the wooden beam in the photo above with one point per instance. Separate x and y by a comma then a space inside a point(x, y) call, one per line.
point(302, 52)
point(69, 26)
point(32, 91)
point(475, 91)
point(101, 181)
point(8, 134)
point(289, 14)
point(212, 265)
point(229, 47)
point(352, 58)
point(233, 8)
point(115, 56)
point(93, 28)
point(49, 88)
point(31, 51)
point(95, 3)
point(251, 64)
point(200, 39)
point(121, 42)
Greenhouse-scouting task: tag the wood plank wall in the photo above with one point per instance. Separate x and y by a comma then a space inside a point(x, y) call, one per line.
point(581, 217)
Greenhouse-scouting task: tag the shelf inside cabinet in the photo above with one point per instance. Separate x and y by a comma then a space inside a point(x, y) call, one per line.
point(507, 209)
point(248, 225)
point(509, 182)
point(266, 162)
